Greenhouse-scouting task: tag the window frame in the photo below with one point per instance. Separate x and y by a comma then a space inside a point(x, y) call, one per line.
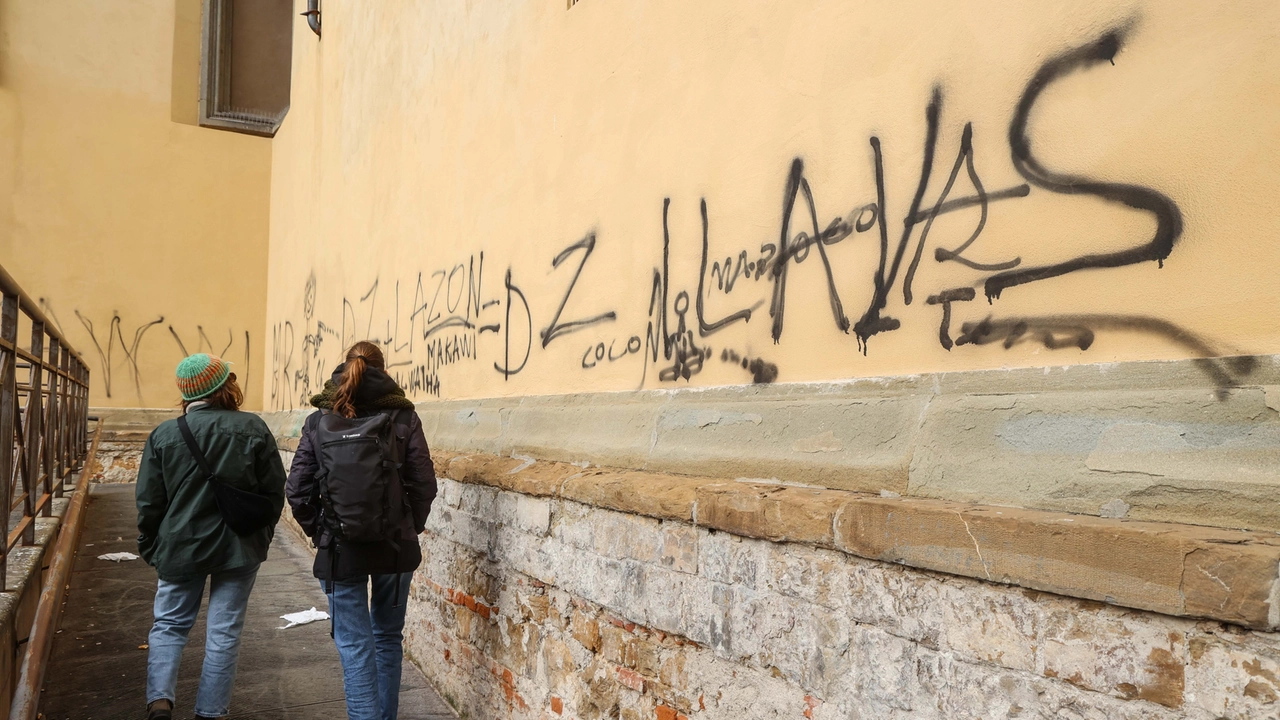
point(215, 78)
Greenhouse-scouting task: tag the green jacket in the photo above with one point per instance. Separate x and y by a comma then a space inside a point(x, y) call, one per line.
point(180, 531)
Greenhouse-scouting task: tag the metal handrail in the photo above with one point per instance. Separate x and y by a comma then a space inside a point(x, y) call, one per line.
point(30, 308)
point(44, 441)
point(44, 415)
point(26, 692)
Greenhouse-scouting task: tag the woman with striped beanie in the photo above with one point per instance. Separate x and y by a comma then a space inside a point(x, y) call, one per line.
point(210, 489)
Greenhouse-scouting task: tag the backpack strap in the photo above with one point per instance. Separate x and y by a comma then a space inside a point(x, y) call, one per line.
point(193, 447)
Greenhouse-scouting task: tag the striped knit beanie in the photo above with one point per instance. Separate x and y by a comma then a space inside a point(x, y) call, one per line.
point(200, 375)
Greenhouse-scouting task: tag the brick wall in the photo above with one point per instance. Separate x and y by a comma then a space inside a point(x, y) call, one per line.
point(542, 607)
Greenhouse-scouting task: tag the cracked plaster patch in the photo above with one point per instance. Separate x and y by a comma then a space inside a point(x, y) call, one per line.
point(1116, 508)
point(1272, 396)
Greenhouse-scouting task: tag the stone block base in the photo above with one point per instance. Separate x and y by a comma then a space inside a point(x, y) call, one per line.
point(542, 607)
point(124, 433)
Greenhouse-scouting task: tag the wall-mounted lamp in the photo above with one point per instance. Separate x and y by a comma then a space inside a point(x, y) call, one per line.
point(313, 16)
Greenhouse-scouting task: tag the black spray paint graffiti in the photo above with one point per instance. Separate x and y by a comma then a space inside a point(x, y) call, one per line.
point(1168, 218)
point(902, 258)
point(114, 337)
point(439, 326)
point(557, 328)
point(514, 293)
point(761, 372)
point(205, 345)
point(678, 346)
point(113, 340)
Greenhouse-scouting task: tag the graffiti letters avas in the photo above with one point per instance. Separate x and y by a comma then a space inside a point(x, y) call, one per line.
point(448, 316)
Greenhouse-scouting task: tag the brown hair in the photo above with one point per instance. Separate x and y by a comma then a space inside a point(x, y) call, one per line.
point(228, 396)
point(361, 356)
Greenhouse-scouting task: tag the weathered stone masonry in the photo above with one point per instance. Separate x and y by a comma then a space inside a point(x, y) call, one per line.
point(124, 433)
point(673, 585)
point(540, 606)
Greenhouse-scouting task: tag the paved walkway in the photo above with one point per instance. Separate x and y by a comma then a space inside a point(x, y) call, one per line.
point(98, 672)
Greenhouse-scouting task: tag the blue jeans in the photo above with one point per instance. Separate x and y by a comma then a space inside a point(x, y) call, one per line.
point(370, 640)
point(175, 612)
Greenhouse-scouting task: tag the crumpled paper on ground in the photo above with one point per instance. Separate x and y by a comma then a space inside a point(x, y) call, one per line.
point(302, 618)
point(118, 557)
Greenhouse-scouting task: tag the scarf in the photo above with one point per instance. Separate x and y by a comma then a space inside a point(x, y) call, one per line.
point(377, 391)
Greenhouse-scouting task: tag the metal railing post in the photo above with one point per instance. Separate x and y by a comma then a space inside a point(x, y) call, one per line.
point(34, 422)
point(8, 416)
point(82, 416)
point(64, 418)
point(52, 431)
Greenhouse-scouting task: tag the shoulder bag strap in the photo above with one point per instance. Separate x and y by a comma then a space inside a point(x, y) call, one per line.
point(193, 447)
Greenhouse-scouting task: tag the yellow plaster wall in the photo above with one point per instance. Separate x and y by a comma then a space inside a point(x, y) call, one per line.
point(440, 156)
point(138, 234)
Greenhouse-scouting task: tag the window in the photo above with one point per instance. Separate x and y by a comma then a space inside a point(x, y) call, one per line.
point(245, 65)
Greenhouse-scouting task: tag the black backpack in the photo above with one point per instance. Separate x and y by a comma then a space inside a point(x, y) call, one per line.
point(361, 496)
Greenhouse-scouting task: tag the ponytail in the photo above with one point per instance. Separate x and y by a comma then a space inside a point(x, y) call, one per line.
point(351, 376)
point(360, 357)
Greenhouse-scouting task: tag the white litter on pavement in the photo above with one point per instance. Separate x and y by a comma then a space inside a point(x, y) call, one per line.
point(118, 557)
point(302, 618)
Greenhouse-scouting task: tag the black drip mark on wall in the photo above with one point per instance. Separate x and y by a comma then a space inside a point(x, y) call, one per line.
point(556, 328)
point(1167, 216)
point(116, 335)
point(945, 298)
point(871, 322)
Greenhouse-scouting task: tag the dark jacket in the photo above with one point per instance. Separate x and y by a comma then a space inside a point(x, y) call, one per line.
point(340, 561)
point(180, 531)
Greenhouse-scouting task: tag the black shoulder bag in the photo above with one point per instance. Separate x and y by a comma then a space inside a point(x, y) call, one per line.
point(244, 512)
